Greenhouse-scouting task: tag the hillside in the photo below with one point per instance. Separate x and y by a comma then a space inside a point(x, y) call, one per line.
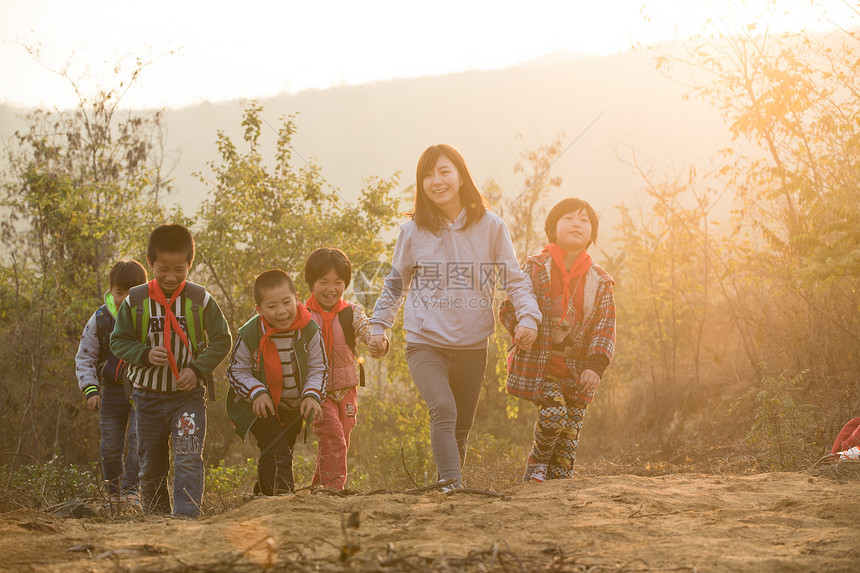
point(381, 128)
point(680, 522)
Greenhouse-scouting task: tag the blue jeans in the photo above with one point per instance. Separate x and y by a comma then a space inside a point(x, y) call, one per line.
point(117, 423)
point(450, 381)
point(162, 417)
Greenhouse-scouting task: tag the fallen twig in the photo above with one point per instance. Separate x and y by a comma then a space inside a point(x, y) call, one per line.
point(403, 459)
point(484, 492)
point(431, 487)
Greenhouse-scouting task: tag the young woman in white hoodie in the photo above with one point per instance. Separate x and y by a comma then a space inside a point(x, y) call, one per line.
point(446, 263)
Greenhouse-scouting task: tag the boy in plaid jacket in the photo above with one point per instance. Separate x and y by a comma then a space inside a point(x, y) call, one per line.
point(561, 371)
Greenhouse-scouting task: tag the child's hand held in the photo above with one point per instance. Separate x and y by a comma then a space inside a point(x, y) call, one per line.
point(375, 345)
point(378, 346)
point(525, 336)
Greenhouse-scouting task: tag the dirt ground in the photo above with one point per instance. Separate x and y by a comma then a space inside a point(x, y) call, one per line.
point(683, 522)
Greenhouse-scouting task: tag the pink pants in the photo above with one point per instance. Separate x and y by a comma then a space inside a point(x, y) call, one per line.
point(333, 429)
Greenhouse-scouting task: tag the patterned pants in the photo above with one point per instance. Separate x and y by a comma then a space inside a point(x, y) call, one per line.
point(557, 429)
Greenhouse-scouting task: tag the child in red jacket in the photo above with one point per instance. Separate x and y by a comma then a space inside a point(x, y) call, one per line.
point(328, 272)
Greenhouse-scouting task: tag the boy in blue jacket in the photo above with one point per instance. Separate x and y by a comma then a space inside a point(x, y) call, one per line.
point(100, 378)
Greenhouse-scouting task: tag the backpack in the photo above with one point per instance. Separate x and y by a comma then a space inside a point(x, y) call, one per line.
point(108, 366)
point(345, 318)
point(197, 295)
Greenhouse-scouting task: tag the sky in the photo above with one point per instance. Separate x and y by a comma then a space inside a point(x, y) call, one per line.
point(216, 51)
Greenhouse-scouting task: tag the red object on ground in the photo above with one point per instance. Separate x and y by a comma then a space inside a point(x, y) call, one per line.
point(848, 437)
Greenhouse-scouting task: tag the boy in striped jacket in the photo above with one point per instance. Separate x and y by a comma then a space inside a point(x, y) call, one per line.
point(278, 374)
point(173, 336)
point(562, 369)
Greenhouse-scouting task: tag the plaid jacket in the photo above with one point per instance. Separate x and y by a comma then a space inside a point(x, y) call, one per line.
point(596, 337)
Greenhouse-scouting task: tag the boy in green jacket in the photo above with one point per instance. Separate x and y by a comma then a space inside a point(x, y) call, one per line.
point(173, 335)
point(278, 374)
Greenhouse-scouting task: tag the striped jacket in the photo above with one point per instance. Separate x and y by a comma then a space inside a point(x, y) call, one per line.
point(595, 340)
point(125, 344)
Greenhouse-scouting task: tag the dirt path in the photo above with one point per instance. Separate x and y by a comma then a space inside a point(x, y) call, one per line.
point(767, 522)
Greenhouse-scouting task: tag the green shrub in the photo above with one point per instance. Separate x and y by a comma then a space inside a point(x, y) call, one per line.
point(392, 438)
point(40, 486)
point(783, 427)
point(226, 486)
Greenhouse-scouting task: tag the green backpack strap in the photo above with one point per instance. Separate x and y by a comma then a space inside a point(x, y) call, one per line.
point(136, 296)
point(197, 295)
point(345, 317)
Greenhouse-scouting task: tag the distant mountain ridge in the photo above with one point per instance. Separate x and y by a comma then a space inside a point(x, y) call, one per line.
point(381, 128)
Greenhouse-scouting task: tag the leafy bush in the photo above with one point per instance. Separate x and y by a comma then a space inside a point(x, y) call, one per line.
point(41, 486)
point(392, 438)
point(225, 486)
point(783, 427)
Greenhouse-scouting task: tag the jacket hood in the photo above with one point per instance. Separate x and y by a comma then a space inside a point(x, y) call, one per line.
point(110, 303)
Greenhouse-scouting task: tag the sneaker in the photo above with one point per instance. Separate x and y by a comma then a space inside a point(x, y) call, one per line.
point(539, 473)
point(851, 454)
point(451, 487)
point(111, 503)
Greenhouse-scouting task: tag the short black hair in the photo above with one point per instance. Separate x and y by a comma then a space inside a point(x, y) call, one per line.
point(170, 238)
point(271, 279)
point(125, 274)
point(570, 205)
point(324, 259)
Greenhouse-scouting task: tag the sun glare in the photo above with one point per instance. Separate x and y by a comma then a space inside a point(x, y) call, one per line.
point(268, 48)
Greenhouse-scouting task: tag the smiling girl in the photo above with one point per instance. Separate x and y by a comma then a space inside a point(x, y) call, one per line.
point(575, 342)
point(328, 272)
point(446, 263)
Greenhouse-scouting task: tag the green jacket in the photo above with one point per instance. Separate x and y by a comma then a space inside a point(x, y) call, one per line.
point(247, 381)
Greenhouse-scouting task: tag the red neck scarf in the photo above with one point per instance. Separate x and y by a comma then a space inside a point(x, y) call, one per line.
point(269, 352)
point(577, 270)
point(327, 319)
point(170, 322)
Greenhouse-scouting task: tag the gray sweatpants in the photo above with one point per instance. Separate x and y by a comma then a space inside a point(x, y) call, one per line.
point(450, 383)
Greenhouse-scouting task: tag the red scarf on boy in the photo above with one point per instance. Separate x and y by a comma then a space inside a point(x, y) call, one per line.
point(577, 270)
point(170, 322)
point(269, 352)
point(327, 317)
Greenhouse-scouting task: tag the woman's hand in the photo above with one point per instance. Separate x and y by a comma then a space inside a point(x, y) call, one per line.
point(378, 345)
point(525, 336)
